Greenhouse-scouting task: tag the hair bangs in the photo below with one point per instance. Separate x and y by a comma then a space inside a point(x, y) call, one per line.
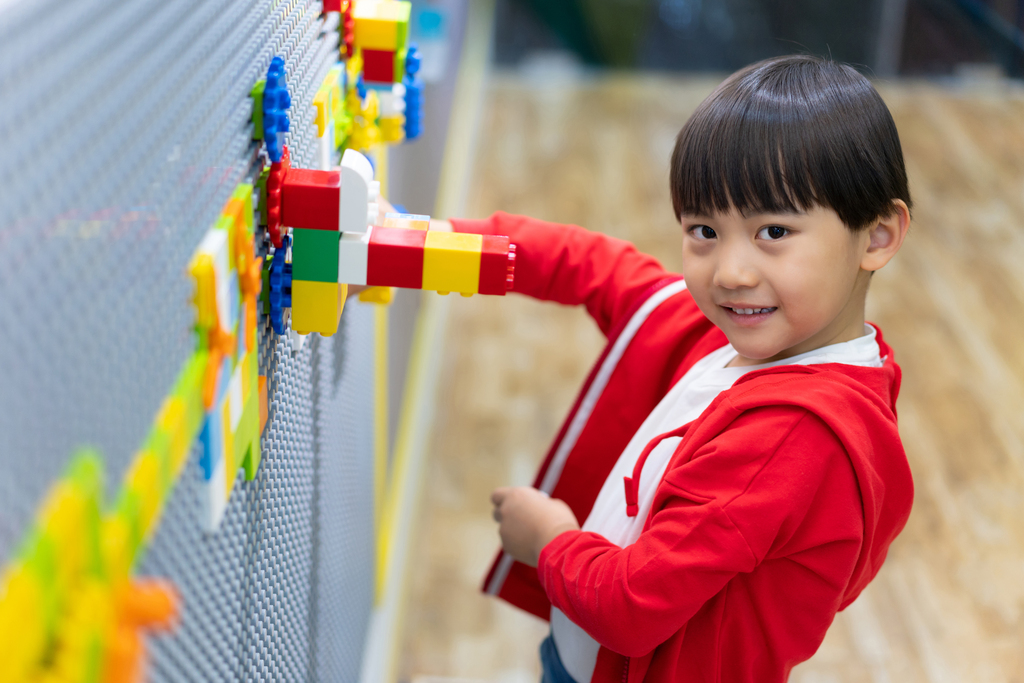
point(786, 135)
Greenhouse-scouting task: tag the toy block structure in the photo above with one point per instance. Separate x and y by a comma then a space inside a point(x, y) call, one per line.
point(69, 608)
point(228, 282)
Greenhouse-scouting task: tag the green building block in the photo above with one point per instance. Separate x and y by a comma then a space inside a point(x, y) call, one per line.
point(315, 255)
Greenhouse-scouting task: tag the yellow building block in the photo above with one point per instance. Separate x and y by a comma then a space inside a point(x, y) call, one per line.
point(392, 128)
point(22, 629)
point(206, 290)
point(451, 262)
point(381, 25)
point(317, 306)
point(377, 295)
point(144, 479)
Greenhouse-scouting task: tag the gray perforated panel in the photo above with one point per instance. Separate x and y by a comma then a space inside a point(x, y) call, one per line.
point(125, 128)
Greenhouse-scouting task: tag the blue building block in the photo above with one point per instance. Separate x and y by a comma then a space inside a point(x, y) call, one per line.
point(413, 94)
point(276, 102)
point(280, 285)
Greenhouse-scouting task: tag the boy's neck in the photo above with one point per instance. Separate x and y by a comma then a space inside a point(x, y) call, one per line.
point(854, 330)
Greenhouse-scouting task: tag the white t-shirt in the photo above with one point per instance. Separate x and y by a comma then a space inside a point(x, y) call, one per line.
point(691, 395)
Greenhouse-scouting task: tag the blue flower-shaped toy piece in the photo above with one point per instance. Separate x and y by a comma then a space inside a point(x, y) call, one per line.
point(280, 294)
point(276, 101)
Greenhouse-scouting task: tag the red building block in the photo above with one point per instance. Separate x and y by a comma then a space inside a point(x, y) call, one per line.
point(275, 180)
point(379, 66)
point(395, 258)
point(332, 6)
point(497, 265)
point(311, 199)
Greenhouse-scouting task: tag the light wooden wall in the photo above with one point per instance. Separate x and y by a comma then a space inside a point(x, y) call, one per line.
point(948, 604)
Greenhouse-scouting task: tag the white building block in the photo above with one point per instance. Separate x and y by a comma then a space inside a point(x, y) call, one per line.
point(358, 192)
point(353, 257)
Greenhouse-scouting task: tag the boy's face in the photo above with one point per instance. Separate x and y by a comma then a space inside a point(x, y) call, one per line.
point(801, 274)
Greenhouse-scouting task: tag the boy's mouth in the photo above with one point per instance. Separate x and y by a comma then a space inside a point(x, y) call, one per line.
point(749, 316)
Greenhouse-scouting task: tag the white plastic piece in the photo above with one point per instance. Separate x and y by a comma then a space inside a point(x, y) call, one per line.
point(234, 398)
point(326, 143)
point(298, 340)
point(372, 208)
point(353, 257)
point(358, 190)
point(392, 102)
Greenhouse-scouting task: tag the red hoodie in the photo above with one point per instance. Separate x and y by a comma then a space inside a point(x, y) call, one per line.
point(775, 511)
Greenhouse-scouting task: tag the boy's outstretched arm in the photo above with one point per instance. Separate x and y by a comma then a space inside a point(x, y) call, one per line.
point(570, 265)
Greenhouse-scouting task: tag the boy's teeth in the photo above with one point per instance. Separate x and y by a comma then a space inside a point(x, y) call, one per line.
point(750, 311)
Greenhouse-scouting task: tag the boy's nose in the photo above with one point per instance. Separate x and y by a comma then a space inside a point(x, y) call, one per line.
point(735, 272)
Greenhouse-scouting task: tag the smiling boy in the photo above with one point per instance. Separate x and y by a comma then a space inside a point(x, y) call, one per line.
point(734, 457)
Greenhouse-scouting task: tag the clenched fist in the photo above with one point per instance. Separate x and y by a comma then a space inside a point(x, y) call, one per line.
point(529, 520)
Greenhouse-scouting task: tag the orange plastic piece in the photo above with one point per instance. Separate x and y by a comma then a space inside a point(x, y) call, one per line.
point(221, 344)
point(250, 271)
point(149, 604)
point(125, 660)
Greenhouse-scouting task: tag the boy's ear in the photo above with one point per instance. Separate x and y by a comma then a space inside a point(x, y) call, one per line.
point(885, 236)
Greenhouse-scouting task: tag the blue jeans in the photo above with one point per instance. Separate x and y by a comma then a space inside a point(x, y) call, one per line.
point(551, 664)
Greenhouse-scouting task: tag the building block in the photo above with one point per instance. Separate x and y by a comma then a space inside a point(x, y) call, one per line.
point(275, 181)
point(264, 404)
point(379, 66)
point(257, 108)
point(347, 29)
point(409, 221)
point(382, 25)
point(317, 306)
point(497, 265)
point(276, 102)
point(311, 199)
point(314, 256)
point(414, 87)
point(396, 257)
point(359, 192)
point(332, 6)
point(377, 295)
point(279, 295)
point(353, 257)
point(452, 262)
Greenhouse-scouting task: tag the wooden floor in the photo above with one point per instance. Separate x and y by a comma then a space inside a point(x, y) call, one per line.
point(949, 603)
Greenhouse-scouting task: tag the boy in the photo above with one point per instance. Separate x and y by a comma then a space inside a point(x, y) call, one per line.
point(734, 455)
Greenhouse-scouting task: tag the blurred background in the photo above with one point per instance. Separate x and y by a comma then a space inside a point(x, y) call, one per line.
point(576, 110)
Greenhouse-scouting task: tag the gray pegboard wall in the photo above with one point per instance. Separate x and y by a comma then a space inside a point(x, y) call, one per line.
point(125, 127)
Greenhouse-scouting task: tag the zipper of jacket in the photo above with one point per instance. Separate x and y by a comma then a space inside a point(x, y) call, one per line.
point(633, 483)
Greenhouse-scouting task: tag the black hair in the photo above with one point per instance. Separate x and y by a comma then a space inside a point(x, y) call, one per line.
point(788, 134)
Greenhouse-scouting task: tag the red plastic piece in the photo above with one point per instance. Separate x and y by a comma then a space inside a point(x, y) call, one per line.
point(495, 265)
point(332, 5)
point(395, 258)
point(310, 199)
point(275, 180)
point(348, 27)
point(379, 66)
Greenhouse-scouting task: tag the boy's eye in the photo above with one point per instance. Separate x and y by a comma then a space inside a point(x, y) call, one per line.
point(772, 232)
point(703, 232)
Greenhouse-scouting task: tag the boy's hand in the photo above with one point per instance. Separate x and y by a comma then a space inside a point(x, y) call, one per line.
point(529, 520)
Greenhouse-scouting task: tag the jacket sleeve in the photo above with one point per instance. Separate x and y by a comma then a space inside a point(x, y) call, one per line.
point(570, 265)
point(716, 516)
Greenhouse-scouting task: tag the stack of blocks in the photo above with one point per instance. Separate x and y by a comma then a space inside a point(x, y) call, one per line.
point(319, 206)
point(404, 253)
point(381, 39)
point(227, 283)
